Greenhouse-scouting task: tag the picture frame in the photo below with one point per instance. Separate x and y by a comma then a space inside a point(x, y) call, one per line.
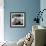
point(17, 19)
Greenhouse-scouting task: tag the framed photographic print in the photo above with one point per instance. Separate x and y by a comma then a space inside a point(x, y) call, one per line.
point(17, 19)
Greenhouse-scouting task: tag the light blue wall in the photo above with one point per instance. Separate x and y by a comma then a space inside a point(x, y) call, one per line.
point(28, 6)
point(43, 6)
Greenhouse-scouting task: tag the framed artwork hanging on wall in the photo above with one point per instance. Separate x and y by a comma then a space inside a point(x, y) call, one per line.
point(17, 19)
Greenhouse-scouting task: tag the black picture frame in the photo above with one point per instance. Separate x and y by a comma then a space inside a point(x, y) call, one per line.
point(17, 19)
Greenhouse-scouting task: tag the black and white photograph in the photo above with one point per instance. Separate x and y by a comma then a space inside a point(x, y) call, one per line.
point(17, 19)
